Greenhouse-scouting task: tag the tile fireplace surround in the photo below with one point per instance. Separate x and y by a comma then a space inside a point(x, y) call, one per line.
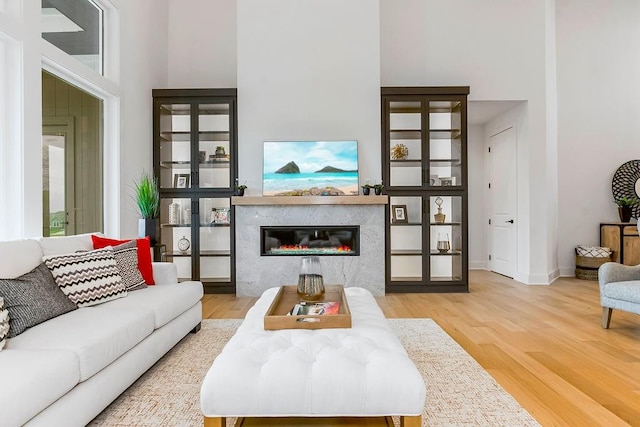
point(255, 273)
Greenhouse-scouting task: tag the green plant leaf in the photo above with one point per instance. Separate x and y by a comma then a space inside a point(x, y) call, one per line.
point(147, 196)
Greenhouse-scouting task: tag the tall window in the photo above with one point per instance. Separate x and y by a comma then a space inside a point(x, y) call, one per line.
point(72, 158)
point(76, 27)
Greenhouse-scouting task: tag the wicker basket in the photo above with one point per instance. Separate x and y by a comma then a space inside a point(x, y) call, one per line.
point(587, 266)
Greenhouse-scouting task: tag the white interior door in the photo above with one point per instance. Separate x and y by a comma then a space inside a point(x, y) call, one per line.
point(503, 190)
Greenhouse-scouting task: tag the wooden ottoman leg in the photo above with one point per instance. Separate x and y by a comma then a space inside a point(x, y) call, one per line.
point(411, 421)
point(215, 422)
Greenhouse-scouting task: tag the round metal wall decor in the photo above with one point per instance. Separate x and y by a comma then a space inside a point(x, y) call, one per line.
point(626, 183)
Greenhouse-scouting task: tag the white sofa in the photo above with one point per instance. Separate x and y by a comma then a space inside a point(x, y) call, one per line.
point(65, 371)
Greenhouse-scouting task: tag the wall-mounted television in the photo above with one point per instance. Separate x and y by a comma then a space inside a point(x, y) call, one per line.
point(316, 168)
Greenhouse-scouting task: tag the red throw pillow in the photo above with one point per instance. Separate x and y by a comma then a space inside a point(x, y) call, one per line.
point(144, 254)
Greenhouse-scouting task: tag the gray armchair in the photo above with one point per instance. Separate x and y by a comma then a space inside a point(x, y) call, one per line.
point(619, 289)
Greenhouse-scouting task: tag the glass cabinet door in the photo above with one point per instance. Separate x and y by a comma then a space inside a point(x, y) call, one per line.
point(405, 239)
point(445, 144)
point(214, 147)
point(405, 144)
point(175, 234)
point(215, 239)
point(175, 145)
point(445, 245)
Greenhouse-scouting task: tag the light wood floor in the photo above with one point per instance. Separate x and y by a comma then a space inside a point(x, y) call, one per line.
point(543, 344)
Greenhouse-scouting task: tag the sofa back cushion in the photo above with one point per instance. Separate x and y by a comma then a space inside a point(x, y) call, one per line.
point(19, 257)
point(32, 299)
point(67, 244)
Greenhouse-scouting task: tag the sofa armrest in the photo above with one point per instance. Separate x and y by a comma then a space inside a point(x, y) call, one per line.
point(613, 272)
point(164, 273)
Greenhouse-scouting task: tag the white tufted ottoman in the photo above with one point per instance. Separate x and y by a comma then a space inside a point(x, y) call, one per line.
point(362, 371)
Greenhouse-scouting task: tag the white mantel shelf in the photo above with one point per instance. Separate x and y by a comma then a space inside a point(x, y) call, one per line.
point(309, 200)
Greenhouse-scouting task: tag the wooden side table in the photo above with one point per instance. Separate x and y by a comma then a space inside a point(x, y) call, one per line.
point(624, 241)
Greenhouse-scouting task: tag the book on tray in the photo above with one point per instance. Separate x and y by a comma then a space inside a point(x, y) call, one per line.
point(315, 308)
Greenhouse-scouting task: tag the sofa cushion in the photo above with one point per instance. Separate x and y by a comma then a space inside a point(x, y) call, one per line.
point(144, 254)
point(19, 257)
point(126, 256)
point(67, 244)
point(165, 301)
point(625, 291)
point(32, 299)
point(87, 278)
point(97, 335)
point(35, 380)
point(4, 323)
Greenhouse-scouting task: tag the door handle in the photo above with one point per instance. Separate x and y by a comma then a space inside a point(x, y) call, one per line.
point(510, 221)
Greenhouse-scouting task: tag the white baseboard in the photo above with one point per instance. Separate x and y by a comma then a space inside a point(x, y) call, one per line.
point(477, 265)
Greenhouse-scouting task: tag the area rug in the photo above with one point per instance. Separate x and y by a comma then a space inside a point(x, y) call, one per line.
point(459, 391)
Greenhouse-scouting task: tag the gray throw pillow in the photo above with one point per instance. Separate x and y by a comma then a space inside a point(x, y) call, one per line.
point(126, 256)
point(33, 298)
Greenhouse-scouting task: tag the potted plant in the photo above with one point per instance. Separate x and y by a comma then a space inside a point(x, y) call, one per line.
point(366, 189)
point(148, 202)
point(625, 207)
point(239, 189)
point(377, 188)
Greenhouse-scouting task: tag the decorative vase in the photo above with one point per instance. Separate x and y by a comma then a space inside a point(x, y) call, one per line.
point(310, 282)
point(174, 214)
point(439, 217)
point(220, 151)
point(443, 244)
point(148, 227)
point(625, 213)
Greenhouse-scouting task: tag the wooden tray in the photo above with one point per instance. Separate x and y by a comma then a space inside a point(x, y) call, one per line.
point(277, 318)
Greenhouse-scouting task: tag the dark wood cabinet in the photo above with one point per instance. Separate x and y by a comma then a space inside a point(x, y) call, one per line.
point(195, 161)
point(424, 164)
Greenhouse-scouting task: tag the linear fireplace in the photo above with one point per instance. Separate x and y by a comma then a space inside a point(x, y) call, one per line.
point(310, 240)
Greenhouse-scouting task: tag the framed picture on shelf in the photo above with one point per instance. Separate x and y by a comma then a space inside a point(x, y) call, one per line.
point(447, 181)
point(433, 180)
point(220, 215)
point(181, 180)
point(399, 214)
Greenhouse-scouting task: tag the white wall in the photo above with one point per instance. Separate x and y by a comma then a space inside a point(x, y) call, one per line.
point(598, 114)
point(501, 53)
point(477, 216)
point(202, 44)
point(143, 67)
point(308, 69)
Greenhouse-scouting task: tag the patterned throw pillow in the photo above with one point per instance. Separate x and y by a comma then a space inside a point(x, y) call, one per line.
point(126, 256)
point(33, 298)
point(4, 323)
point(87, 278)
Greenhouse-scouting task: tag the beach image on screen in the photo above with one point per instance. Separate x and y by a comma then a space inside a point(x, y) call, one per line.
point(301, 168)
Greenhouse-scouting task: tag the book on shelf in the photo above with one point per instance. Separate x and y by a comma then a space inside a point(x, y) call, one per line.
point(315, 308)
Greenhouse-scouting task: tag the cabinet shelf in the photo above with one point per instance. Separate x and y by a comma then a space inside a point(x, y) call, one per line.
point(438, 224)
point(219, 253)
point(445, 162)
point(434, 107)
point(445, 133)
point(187, 165)
point(406, 224)
point(189, 225)
point(185, 136)
point(406, 163)
point(435, 252)
point(405, 252)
